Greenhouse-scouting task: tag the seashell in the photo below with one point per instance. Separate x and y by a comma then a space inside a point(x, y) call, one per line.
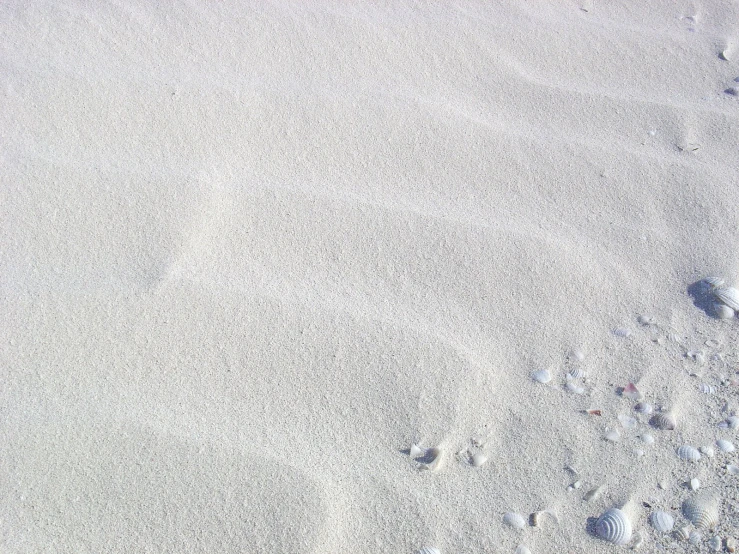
point(628, 422)
point(639, 453)
point(622, 332)
point(542, 376)
point(697, 356)
point(707, 451)
point(416, 451)
point(665, 421)
point(715, 543)
point(662, 521)
point(731, 469)
point(577, 373)
point(643, 408)
point(478, 459)
point(705, 388)
point(682, 534)
point(593, 494)
point(688, 453)
point(713, 282)
point(614, 527)
point(515, 520)
point(731, 422)
point(429, 550)
point(432, 459)
point(647, 438)
point(722, 311)
point(521, 549)
point(725, 446)
point(574, 388)
point(646, 320)
point(695, 538)
point(612, 436)
point(702, 510)
point(631, 392)
point(578, 355)
point(695, 484)
point(728, 296)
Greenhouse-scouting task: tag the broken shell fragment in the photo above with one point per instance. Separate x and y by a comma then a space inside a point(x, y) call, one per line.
point(731, 422)
point(631, 392)
point(432, 460)
point(662, 521)
point(478, 459)
point(429, 550)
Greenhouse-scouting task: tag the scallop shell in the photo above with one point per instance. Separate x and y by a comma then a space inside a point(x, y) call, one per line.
point(429, 550)
point(662, 521)
point(664, 421)
point(725, 446)
point(614, 526)
point(715, 543)
point(722, 311)
point(683, 533)
point(514, 520)
point(702, 511)
point(728, 296)
point(542, 376)
point(576, 373)
point(688, 453)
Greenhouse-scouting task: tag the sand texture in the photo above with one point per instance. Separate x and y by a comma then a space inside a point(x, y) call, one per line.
point(251, 253)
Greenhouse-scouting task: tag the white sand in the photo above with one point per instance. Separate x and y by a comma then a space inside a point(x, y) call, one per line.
point(251, 253)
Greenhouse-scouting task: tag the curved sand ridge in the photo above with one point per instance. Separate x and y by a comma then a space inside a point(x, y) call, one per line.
point(241, 283)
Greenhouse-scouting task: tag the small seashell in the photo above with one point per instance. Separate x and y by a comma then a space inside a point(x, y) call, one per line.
point(631, 392)
point(682, 534)
point(639, 453)
point(622, 332)
point(521, 549)
point(593, 494)
point(665, 421)
point(542, 376)
point(725, 55)
point(613, 436)
point(662, 521)
point(574, 388)
point(694, 484)
point(643, 408)
point(429, 550)
point(695, 538)
point(731, 422)
point(578, 355)
point(646, 320)
point(594, 412)
point(662, 485)
point(577, 373)
point(628, 422)
point(731, 469)
point(614, 527)
point(705, 388)
point(697, 356)
point(715, 543)
point(688, 453)
point(702, 510)
point(416, 451)
point(731, 545)
point(432, 459)
point(713, 282)
point(647, 438)
point(707, 451)
point(725, 446)
point(478, 459)
point(515, 520)
point(728, 296)
point(722, 311)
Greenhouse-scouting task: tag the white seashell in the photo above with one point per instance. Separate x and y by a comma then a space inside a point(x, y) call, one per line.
point(731, 469)
point(695, 484)
point(521, 549)
point(682, 534)
point(478, 459)
point(646, 320)
point(622, 332)
point(614, 527)
point(705, 388)
point(542, 376)
point(515, 520)
point(639, 453)
point(612, 436)
point(728, 296)
point(662, 521)
point(731, 422)
point(628, 422)
point(702, 510)
point(578, 355)
point(688, 453)
point(429, 550)
point(576, 373)
point(695, 538)
point(713, 282)
point(725, 446)
point(664, 421)
point(574, 388)
point(643, 408)
point(722, 311)
point(707, 451)
point(647, 438)
point(416, 451)
point(715, 543)
point(697, 356)
point(433, 457)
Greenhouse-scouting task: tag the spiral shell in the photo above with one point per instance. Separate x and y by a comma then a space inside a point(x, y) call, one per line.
point(514, 520)
point(728, 296)
point(702, 510)
point(688, 453)
point(614, 526)
point(665, 421)
point(662, 521)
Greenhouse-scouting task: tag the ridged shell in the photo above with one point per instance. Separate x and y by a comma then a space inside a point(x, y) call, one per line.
point(702, 511)
point(695, 538)
point(614, 526)
point(705, 388)
point(643, 408)
point(688, 453)
point(713, 281)
point(514, 520)
point(722, 311)
point(542, 376)
point(715, 543)
point(725, 446)
point(731, 422)
point(728, 296)
point(662, 521)
point(429, 550)
point(683, 533)
point(576, 373)
point(664, 421)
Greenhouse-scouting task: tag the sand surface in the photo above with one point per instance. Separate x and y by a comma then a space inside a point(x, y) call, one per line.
point(251, 252)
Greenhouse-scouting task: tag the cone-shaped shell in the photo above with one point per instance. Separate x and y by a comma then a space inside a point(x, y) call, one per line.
point(614, 526)
point(728, 296)
point(702, 510)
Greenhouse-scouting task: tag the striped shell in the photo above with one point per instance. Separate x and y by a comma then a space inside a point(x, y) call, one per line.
point(725, 446)
point(728, 296)
point(665, 421)
point(702, 510)
point(731, 422)
point(614, 527)
point(688, 453)
point(514, 520)
point(712, 281)
point(662, 521)
point(429, 550)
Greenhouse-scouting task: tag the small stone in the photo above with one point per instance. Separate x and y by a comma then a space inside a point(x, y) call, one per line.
point(694, 484)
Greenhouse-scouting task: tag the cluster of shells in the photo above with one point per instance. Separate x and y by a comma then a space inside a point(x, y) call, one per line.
point(724, 299)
